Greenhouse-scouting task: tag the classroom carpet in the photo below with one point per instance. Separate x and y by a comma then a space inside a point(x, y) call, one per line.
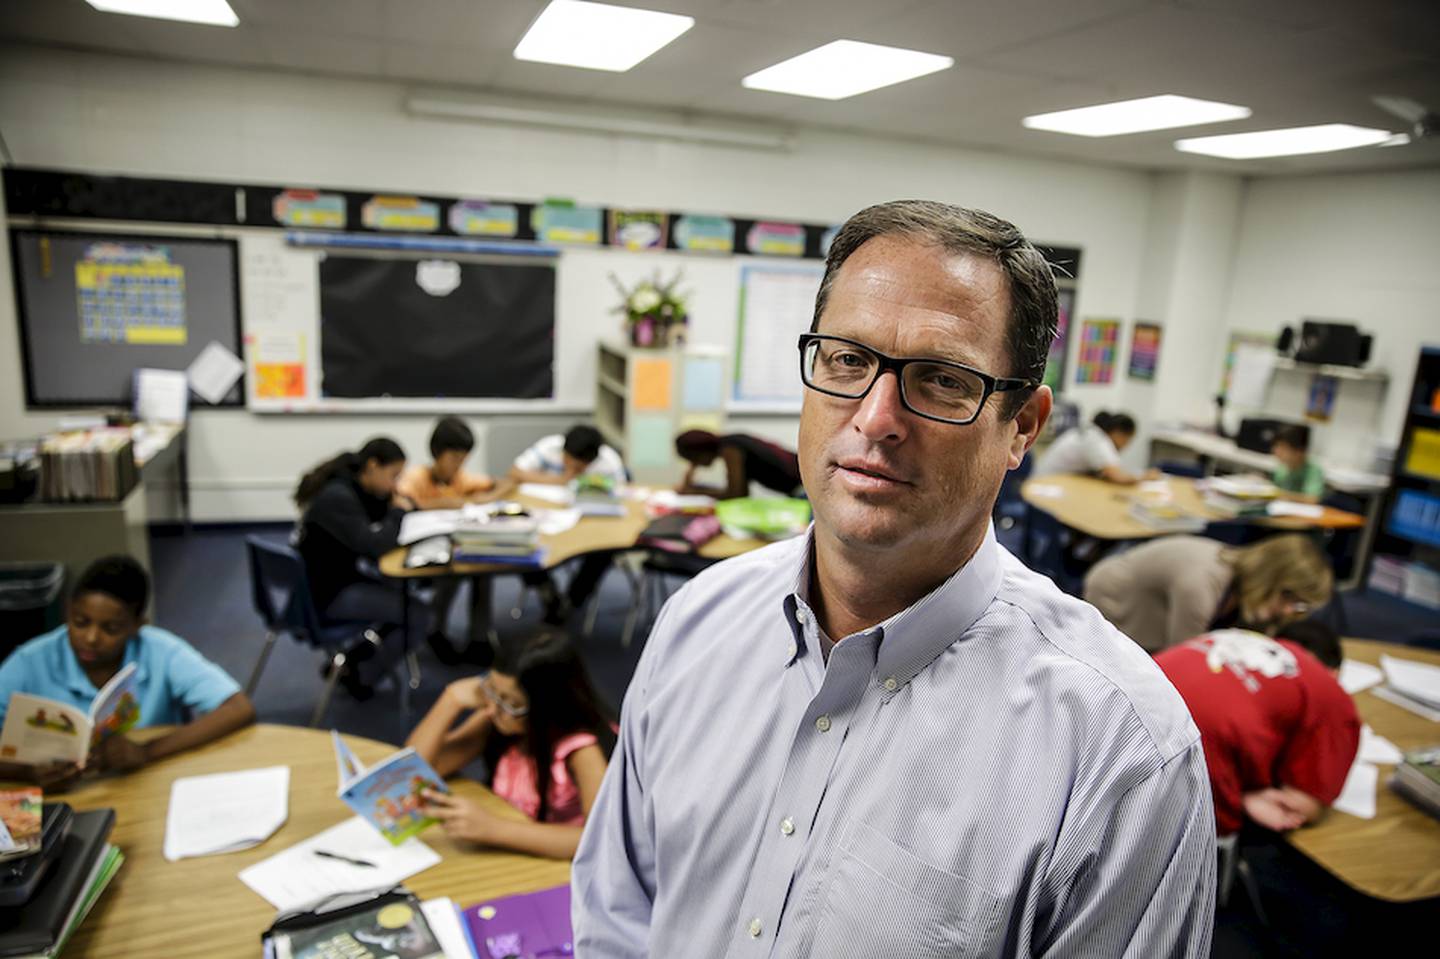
point(203, 593)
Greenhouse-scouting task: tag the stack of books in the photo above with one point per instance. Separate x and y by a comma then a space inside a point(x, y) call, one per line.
point(87, 465)
point(502, 536)
point(596, 496)
point(1239, 495)
point(1418, 779)
point(46, 894)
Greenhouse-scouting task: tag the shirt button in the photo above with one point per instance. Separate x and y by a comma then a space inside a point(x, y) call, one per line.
point(755, 928)
point(792, 651)
point(787, 826)
point(823, 724)
point(800, 616)
point(890, 684)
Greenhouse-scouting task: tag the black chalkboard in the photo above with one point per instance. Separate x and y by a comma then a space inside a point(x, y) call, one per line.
point(436, 328)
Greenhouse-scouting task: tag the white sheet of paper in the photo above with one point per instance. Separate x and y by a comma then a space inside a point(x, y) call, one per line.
point(1250, 377)
point(559, 495)
point(1405, 702)
point(226, 811)
point(296, 876)
point(1417, 680)
point(214, 371)
point(555, 521)
point(445, 922)
point(424, 523)
point(1358, 796)
point(1375, 748)
point(161, 396)
point(1047, 490)
point(1285, 507)
point(1356, 676)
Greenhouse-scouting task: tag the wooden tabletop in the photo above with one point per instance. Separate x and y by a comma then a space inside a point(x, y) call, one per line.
point(1396, 855)
point(591, 534)
point(1102, 510)
point(199, 908)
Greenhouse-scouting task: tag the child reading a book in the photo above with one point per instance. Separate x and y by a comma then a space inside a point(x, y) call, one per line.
point(105, 631)
point(538, 723)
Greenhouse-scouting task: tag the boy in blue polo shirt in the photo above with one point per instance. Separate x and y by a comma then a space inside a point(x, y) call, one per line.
point(105, 631)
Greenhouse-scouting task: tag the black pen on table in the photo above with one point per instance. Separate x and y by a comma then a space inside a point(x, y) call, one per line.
point(354, 862)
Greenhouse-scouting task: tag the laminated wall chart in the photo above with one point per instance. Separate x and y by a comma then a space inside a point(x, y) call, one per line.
point(130, 293)
point(1099, 342)
point(776, 306)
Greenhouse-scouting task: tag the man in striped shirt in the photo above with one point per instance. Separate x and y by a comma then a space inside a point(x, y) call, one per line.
point(888, 737)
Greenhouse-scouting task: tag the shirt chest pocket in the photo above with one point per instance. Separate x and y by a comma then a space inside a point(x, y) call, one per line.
point(882, 900)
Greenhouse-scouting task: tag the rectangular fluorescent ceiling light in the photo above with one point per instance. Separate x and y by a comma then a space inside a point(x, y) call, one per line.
point(1282, 143)
point(216, 13)
point(598, 36)
point(844, 68)
point(1135, 116)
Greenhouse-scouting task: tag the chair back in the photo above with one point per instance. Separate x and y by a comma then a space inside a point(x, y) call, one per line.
point(1009, 503)
point(280, 590)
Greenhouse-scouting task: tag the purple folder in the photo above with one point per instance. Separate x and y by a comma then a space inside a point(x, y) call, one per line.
point(531, 925)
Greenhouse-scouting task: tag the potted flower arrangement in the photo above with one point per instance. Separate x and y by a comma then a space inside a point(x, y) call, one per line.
point(654, 311)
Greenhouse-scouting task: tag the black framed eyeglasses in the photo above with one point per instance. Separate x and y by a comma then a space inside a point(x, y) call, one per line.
point(935, 389)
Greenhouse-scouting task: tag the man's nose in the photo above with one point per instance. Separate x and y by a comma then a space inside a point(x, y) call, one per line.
point(881, 416)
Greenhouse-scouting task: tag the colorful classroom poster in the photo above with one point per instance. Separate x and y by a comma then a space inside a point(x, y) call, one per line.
point(1423, 458)
point(638, 229)
point(279, 366)
point(705, 234)
point(1099, 342)
point(1144, 351)
point(562, 223)
point(776, 239)
point(130, 293)
point(309, 208)
point(1055, 360)
point(478, 218)
point(406, 214)
point(826, 239)
point(1321, 402)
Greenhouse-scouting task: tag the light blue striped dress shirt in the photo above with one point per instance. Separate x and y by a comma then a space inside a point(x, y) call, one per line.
point(994, 771)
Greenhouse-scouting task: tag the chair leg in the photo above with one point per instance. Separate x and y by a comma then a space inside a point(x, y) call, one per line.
point(637, 604)
point(1252, 887)
point(270, 637)
point(332, 677)
point(1227, 854)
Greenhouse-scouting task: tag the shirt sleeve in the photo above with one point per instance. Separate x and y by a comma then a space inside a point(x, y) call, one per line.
point(613, 876)
point(342, 516)
point(194, 681)
point(1099, 451)
point(1313, 483)
point(1144, 881)
point(531, 461)
point(412, 484)
point(14, 678)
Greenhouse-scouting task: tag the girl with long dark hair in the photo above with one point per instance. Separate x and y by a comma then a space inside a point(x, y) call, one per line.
point(537, 721)
point(350, 518)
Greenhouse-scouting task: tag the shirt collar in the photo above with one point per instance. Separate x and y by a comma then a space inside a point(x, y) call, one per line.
point(912, 638)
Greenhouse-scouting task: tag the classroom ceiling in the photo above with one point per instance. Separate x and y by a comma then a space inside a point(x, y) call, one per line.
point(1294, 62)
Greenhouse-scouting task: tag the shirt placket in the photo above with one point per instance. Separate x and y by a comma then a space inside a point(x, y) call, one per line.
point(791, 816)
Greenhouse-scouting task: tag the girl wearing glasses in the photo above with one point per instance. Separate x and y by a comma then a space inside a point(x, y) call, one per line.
point(537, 702)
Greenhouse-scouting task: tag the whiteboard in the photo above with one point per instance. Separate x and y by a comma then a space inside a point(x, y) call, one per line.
point(777, 304)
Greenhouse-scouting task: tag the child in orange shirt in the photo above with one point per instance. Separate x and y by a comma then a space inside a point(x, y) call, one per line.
point(445, 484)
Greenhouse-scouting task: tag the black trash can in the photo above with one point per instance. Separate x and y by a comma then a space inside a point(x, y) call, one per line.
point(30, 601)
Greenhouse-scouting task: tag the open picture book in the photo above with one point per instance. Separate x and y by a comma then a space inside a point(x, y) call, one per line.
point(387, 795)
point(40, 730)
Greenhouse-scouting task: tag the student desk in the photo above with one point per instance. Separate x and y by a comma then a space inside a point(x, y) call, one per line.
point(1102, 510)
point(199, 908)
point(1396, 855)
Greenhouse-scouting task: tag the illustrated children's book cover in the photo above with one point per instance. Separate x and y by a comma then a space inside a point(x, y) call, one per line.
point(20, 811)
point(41, 730)
point(388, 794)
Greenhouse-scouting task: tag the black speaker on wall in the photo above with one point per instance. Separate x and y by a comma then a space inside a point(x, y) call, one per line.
point(1339, 344)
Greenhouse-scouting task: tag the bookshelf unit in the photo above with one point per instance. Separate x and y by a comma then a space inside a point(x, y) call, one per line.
point(1408, 544)
point(644, 398)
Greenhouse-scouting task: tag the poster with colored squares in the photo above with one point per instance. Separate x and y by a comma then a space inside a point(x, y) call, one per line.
point(1099, 342)
point(1144, 351)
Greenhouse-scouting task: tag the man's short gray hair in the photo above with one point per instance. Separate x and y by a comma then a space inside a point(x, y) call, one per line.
point(1033, 309)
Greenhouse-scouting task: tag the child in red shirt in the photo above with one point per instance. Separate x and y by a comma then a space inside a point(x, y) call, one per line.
point(1279, 732)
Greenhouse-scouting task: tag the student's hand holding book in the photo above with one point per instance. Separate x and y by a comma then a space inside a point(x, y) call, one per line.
point(119, 753)
point(463, 819)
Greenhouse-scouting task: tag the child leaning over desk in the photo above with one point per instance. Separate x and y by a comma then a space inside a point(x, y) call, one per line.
point(536, 703)
point(104, 631)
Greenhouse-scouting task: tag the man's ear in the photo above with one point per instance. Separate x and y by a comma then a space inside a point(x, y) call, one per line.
point(1029, 422)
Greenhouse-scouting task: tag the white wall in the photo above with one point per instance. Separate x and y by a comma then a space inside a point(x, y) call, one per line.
point(1357, 247)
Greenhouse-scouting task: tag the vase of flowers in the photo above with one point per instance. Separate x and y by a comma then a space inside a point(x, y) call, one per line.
point(654, 311)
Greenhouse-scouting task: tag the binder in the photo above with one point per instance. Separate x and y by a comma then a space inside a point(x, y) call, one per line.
point(36, 926)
